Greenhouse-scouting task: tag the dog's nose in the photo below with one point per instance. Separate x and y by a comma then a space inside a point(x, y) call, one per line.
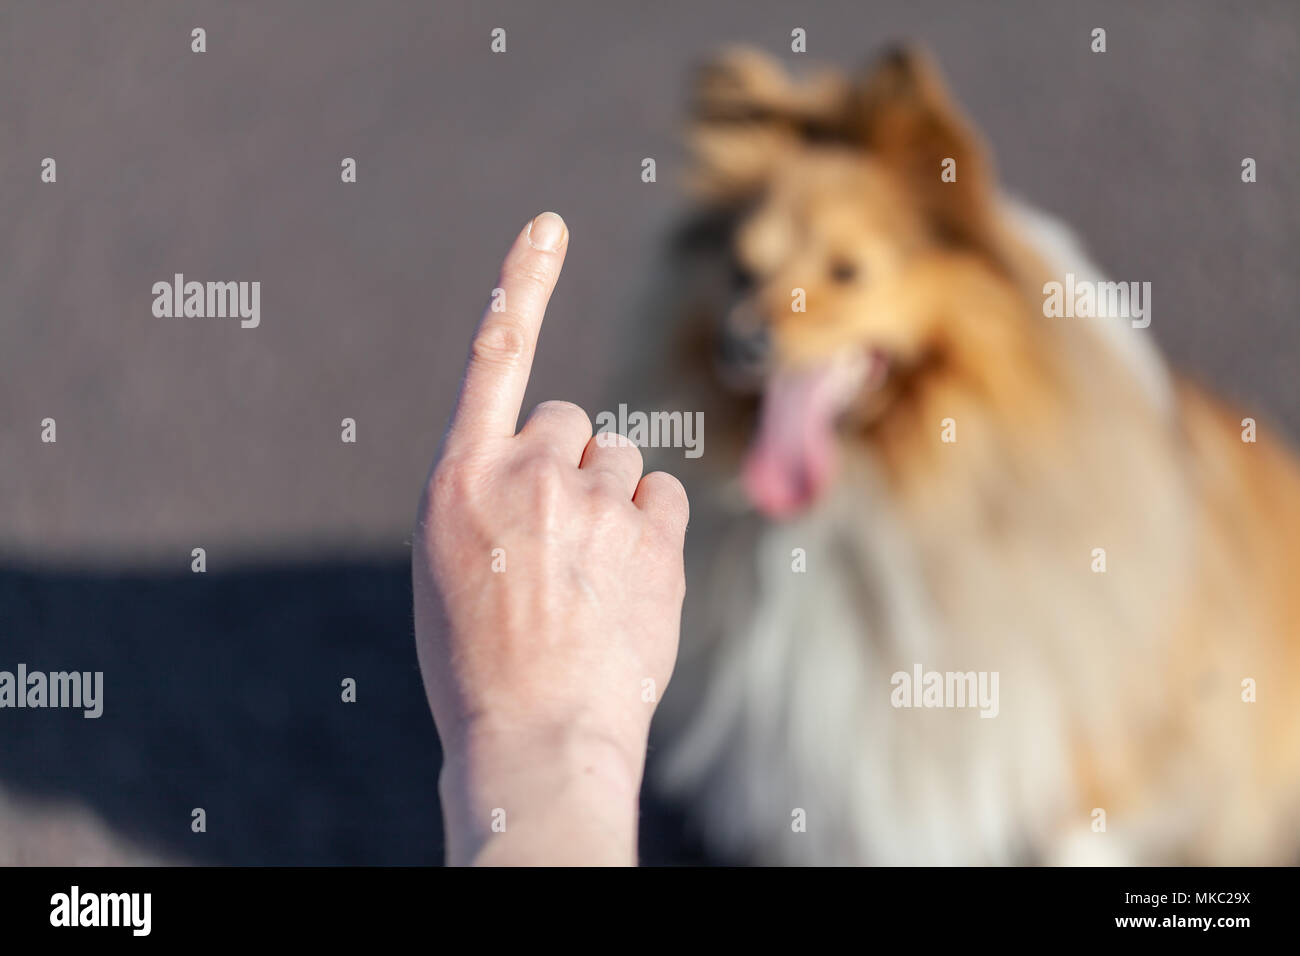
point(745, 344)
point(743, 359)
point(752, 349)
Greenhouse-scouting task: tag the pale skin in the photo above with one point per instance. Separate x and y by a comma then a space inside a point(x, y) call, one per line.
point(548, 587)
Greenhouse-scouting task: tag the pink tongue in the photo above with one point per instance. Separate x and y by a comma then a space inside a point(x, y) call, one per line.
point(793, 455)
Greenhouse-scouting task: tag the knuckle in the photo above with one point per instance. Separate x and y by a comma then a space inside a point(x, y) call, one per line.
point(447, 491)
point(621, 449)
point(612, 439)
point(672, 487)
point(564, 411)
point(606, 490)
point(633, 455)
point(543, 475)
point(539, 467)
point(446, 484)
point(500, 342)
point(676, 505)
point(608, 503)
point(532, 268)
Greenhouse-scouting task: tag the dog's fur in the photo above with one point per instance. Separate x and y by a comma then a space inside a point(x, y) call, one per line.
point(1119, 691)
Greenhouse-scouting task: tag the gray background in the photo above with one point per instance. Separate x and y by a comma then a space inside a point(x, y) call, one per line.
point(177, 433)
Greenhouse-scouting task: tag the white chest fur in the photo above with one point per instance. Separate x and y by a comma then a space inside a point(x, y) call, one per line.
point(797, 754)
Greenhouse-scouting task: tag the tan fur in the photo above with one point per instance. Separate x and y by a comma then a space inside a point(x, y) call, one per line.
point(1059, 451)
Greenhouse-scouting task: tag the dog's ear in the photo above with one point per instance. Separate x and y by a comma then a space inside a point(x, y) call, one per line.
point(747, 115)
point(905, 116)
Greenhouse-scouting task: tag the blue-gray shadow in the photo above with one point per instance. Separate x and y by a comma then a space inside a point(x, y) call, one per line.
point(223, 691)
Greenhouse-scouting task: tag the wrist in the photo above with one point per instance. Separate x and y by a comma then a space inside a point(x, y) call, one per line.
point(557, 794)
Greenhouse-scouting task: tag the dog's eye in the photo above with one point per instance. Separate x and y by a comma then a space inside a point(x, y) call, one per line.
point(843, 271)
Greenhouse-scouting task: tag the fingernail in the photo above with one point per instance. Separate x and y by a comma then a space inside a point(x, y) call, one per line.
point(546, 232)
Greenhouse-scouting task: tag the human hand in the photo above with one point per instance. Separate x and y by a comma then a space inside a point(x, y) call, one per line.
point(548, 586)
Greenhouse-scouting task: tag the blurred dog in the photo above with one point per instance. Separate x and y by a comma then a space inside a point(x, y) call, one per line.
point(909, 468)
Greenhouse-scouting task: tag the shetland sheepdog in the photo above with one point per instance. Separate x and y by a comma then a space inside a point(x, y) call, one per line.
point(919, 492)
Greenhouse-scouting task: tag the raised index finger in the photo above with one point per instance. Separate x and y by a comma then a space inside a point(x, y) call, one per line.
point(501, 355)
